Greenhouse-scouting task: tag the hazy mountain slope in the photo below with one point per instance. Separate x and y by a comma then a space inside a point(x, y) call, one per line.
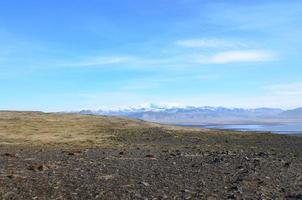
point(202, 115)
point(295, 113)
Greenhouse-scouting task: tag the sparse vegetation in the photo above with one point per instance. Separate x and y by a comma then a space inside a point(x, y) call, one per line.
point(62, 156)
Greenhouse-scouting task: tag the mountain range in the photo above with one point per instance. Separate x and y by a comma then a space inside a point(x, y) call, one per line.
point(192, 115)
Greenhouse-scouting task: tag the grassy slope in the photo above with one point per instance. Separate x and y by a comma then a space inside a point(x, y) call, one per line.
point(36, 128)
point(47, 128)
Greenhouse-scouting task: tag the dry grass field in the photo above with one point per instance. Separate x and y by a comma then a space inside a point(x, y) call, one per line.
point(37, 128)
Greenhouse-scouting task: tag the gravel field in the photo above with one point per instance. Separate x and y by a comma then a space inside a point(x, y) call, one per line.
point(155, 163)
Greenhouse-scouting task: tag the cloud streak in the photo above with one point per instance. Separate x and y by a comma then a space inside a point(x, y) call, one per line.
point(235, 53)
point(289, 89)
point(98, 60)
point(224, 57)
point(227, 57)
point(209, 43)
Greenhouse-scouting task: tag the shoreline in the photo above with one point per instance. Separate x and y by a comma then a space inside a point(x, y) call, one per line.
point(250, 129)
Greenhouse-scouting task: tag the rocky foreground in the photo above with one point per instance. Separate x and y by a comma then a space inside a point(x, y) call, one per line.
point(153, 162)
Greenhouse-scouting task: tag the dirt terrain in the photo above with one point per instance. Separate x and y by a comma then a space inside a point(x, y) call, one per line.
point(56, 156)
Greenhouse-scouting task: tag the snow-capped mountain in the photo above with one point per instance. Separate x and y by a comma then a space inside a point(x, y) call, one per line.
point(147, 107)
point(173, 114)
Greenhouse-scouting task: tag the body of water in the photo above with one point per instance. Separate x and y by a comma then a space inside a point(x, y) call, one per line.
point(290, 128)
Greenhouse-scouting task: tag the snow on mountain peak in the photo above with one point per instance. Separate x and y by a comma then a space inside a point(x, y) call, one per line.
point(152, 107)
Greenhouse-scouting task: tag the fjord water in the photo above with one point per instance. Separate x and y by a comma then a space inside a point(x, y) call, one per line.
point(286, 128)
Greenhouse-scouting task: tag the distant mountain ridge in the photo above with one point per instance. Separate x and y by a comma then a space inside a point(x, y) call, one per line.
point(201, 115)
point(294, 113)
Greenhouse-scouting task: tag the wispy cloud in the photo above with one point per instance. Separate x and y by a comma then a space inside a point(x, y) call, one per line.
point(154, 82)
point(235, 57)
point(289, 89)
point(224, 57)
point(97, 60)
point(236, 52)
point(225, 51)
point(209, 43)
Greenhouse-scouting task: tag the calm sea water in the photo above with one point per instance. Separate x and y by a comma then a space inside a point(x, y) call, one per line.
point(290, 128)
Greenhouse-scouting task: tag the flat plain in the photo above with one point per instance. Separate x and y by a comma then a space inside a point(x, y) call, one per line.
point(66, 156)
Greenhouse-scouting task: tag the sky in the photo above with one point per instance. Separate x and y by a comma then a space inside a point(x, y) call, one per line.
point(61, 55)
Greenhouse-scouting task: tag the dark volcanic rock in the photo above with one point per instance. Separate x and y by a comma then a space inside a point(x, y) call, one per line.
point(243, 169)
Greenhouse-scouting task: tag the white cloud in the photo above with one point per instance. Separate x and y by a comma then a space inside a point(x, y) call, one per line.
point(223, 57)
point(236, 56)
point(236, 51)
point(209, 43)
point(99, 60)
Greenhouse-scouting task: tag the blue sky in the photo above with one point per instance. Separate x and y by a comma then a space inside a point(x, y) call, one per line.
point(70, 54)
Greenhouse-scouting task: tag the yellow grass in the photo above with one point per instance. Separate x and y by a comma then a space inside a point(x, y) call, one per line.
point(37, 128)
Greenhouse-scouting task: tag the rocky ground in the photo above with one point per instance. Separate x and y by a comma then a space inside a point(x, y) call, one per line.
point(165, 172)
point(155, 163)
